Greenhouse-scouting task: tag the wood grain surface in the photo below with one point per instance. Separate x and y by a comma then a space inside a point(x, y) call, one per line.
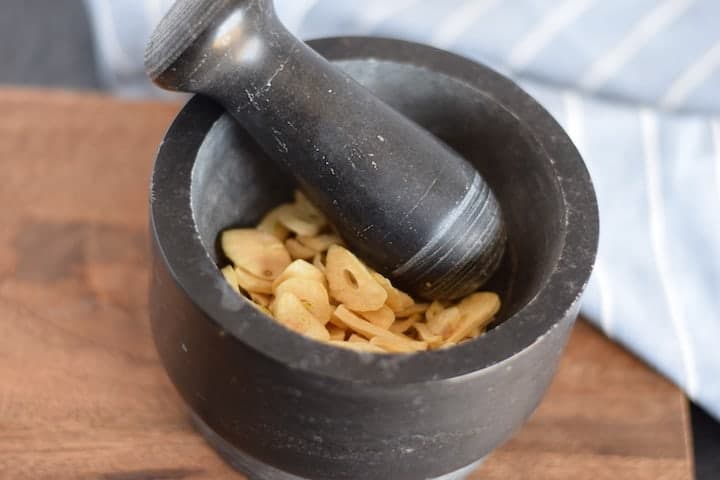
point(82, 393)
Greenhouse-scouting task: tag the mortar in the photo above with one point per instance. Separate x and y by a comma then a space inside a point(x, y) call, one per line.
point(278, 405)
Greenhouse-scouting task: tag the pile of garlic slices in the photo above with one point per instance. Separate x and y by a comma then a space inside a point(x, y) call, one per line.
point(296, 269)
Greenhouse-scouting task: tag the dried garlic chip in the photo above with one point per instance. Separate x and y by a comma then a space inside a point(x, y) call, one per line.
point(397, 300)
point(271, 224)
point(338, 296)
point(298, 250)
point(392, 344)
point(302, 202)
point(357, 346)
point(367, 329)
point(290, 311)
point(301, 220)
point(479, 302)
point(259, 253)
point(260, 298)
point(251, 283)
point(413, 309)
point(432, 311)
point(383, 318)
point(402, 326)
point(355, 338)
point(318, 262)
point(300, 269)
point(311, 293)
point(319, 243)
point(445, 322)
point(264, 310)
point(351, 283)
point(336, 333)
point(426, 335)
point(229, 274)
point(478, 309)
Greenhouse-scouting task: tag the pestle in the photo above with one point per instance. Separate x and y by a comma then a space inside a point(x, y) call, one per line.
point(402, 200)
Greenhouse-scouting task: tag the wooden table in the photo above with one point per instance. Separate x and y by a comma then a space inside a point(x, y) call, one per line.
point(82, 393)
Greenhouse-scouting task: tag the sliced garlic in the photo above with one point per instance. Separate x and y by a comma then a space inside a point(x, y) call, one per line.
point(477, 310)
point(298, 251)
point(318, 262)
point(403, 325)
point(426, 335)
point(261, 299)
point(271, 224)
point(392, 344)
point(301, 220)
point(383, 317)
point(350, 282)
point(252, 284)
point(312, 295)
point(413, 309)
point(229, 274)
point(433, 310)
point(358, 347)
point(336, 333)
point(289, 310)
point(368, 330)
point(300, 269)
point(319, 243)
point(259, 253)
point(445, 322)
point(397, 300)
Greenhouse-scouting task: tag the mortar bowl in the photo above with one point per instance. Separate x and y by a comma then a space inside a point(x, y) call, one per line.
point(278, 405)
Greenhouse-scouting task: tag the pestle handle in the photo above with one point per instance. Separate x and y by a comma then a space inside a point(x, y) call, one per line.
point(402, 200)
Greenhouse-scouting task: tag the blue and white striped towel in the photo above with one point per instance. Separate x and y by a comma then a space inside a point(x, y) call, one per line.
point(636, 85)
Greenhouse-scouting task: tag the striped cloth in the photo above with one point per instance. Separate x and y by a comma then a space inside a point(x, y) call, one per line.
point(636, 85)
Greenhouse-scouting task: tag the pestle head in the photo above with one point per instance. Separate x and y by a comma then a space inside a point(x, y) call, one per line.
point(178, 30)
point(405, 202)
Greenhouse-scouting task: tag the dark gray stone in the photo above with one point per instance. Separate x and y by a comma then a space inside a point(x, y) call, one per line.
point(316, 411)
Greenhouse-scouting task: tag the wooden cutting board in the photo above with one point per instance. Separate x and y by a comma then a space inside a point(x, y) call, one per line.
point(82, 393)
